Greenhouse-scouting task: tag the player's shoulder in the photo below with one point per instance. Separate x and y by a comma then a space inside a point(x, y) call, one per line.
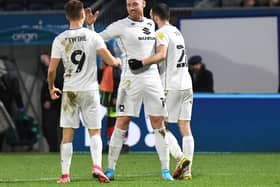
point(149, 22)
point(60, 36)
point(120, 21)
point(162, 32)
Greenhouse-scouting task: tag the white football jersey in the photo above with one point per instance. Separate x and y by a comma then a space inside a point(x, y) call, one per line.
point(136, 40)
point(174, 69)
point(77, 48)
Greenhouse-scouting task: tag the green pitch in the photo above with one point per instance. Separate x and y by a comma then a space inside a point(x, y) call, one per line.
point(34, 169)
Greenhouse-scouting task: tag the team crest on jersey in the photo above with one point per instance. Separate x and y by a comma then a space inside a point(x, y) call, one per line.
point(121, 108)
point(150, 24)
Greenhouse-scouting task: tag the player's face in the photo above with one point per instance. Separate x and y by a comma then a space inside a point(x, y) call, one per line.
point(135, 8)
point(154, 18)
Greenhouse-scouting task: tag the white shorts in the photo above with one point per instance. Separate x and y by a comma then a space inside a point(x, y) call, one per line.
point(179, 105)
point(135, 90)
point(85, 102)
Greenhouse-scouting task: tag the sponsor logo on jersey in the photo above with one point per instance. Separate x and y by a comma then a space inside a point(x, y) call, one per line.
point(146, 31)
point(146, 38)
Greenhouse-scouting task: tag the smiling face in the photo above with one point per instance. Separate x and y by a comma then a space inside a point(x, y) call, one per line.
point(135, 8)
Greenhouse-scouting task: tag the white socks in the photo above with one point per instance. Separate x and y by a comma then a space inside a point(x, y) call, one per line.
point(115, 147)
point(188, 148)
point(96, 150)
point(173, 146)
point(162, 147)
point(66, 151)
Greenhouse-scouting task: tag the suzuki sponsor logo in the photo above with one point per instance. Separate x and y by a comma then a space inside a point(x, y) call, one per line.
point(26, 37)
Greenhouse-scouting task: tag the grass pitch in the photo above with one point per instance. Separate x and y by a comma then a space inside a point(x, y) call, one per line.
point(35, 169)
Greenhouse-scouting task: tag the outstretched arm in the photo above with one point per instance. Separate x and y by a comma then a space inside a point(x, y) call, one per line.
point(108, 57)
point(160, 55)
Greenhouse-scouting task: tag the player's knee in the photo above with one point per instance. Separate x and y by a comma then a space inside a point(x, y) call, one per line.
point(185, 128)
point(122, 122)
point(66, 140)
point(93, 132)
point(157, 122)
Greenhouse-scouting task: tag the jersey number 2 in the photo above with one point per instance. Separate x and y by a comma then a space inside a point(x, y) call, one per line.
point(80, 62)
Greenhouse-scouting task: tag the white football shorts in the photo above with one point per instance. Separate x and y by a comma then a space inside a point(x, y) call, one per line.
point(133, 91)
point(179, 105)
point(85, 102)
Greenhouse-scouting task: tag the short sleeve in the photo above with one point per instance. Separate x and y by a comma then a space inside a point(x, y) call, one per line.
point(99, 42)
point(57, 49)
point(162, 39)
point(112, 31)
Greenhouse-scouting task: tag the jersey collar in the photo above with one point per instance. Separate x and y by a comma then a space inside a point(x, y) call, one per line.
point(141, 20)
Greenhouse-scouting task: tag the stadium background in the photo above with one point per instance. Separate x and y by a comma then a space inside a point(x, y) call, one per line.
point(241, 117)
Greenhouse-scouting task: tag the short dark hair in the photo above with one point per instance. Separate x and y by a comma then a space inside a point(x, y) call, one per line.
point(161, 10)
point(73, 9)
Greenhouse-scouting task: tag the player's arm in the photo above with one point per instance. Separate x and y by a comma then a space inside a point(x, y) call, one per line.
point(161, 53)
point(108, 57)
point(111, 32)
point(54, 92)
point(90, 18)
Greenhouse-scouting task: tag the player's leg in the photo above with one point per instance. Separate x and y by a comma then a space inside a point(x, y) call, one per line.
point(89, 106)
point(66, 151)
point(188, 145)
point(96, 155)
point(174, 100)
point(155, 107)
point(175, 150)
point(68, 121)
point(128, 104)
point(185, 130)
point(173, 145)
point(161, 145)
point(116, 144)
point(173, 108)
point(111, 121)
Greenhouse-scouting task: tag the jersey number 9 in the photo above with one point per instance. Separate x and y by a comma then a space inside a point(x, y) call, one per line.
point(80, 61)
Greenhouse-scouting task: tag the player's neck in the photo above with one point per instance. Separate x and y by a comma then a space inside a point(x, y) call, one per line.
point(140, 18)
point(163, 23)
point(76, 24)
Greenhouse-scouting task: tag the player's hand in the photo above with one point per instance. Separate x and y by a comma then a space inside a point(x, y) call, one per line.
point(135, 64)
point(90, 18)
point(55, 93)
point(117, 62)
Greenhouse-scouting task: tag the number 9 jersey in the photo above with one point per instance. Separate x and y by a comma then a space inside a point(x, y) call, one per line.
point(174, 69)
point(77, 48)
